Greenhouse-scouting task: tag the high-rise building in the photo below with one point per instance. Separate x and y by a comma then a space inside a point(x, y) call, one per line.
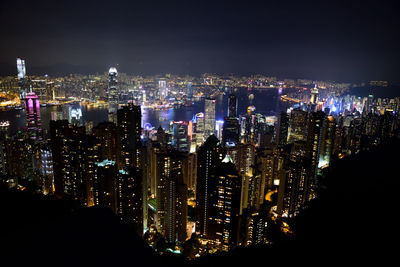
point(232, 106)
point(297, 126)
point(57, 115)
point(46, 169)
point(105, 185)
point(231, 131)
point(314, 95)
point(209, 156)
point(129, 126)
point(58, 132)
point(282, 129)
point(130, 197)
point(75, 115)
point(107, 136)
point(314, 138)
point(199, 128)
point(180, 135)
point(293, 187)
point(171, 196)
point(74, 154)
point(219, 127)
point(225, 215)
point(21, 156)
point(242, 156)
point(89, 127)
point(162, 89)
point(21, 68)
point(327, 141)
point(113, 84)
point(257, 222)
point(73, 163)
point(33, 122)
point(209, 117)
point(22, 82)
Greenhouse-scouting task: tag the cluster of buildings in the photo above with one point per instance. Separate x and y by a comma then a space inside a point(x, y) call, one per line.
point(225, 180)
point(159, 91)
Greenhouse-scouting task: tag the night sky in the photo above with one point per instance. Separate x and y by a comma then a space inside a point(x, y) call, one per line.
point(336, 40)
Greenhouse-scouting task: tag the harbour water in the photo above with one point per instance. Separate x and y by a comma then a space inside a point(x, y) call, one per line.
point(267, 102)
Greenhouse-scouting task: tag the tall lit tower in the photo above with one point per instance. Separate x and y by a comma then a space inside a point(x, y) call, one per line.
point(162, 87)
point(314, 95)
point(21, 68)
point(112, 84)
point(21, 77)
point(209, 117)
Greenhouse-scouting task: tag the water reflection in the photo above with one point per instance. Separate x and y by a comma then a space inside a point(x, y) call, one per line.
point(266, 102)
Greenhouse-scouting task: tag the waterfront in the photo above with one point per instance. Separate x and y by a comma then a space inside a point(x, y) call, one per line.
point(266, 101)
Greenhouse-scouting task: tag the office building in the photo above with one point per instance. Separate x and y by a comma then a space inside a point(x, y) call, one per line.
point(209, 117)
point(129, 130)
point(209, 156)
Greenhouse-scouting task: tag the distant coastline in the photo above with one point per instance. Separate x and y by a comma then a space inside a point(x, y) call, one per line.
point(378, 92)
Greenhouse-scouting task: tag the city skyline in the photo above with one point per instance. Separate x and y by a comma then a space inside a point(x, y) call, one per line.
point(349, 41)
point(199, 133)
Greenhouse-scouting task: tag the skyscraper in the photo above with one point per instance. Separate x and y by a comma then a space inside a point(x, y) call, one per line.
point(162, 89)
point(180, 138)
point(58, 132)
point(74, 154)
point(219, 127)
point(314, 95)
point(105, 185)
point(282, 129)
point(209, 116)
point(199, 128)
point(232, 106)
point(112, 84)
point(314, 135)
point(209, 156)
point(293, 187)
point(231, 131)
point(297, 126)
point(327, 141)
point(107, 136)
point(129, 126)
point(225, 215)
point(23, 87)
point(46, 169)
point(171, 196)
point(130, 197)
point(33, 122)
point(21, 68)
point(75, 115)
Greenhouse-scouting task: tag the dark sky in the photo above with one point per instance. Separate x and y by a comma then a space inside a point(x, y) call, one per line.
point(338, 40)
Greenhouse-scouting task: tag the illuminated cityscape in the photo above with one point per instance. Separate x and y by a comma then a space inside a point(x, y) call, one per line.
point(194, 168)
